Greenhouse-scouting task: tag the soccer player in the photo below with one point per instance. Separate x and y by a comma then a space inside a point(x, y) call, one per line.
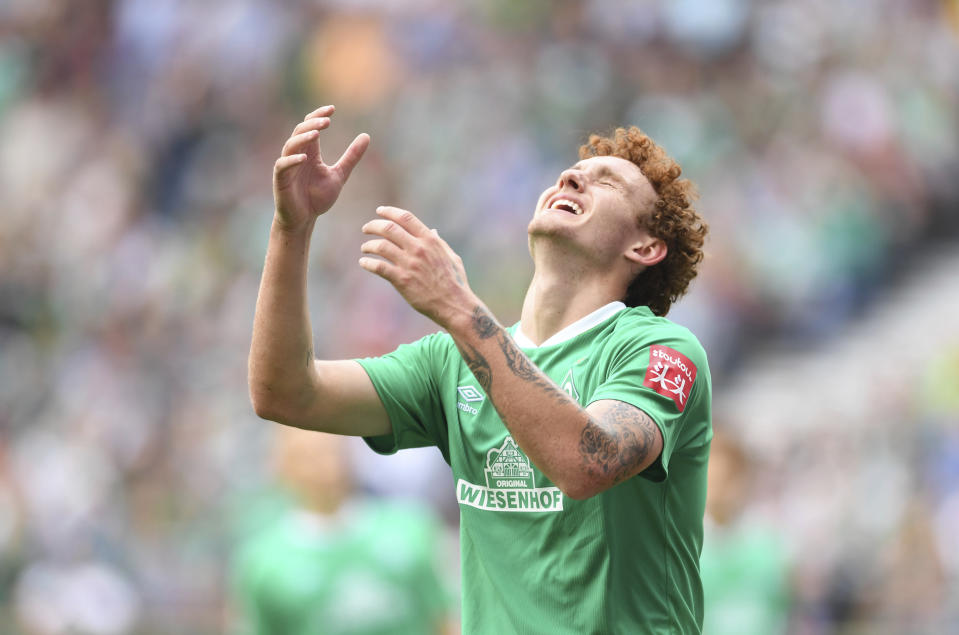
point(578, 437)
point(333, 562)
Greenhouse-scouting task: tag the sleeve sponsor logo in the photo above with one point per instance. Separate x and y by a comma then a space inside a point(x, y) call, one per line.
point(671, 374)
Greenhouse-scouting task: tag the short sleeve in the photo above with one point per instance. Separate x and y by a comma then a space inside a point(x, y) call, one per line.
point(406, 382)
point(663, 380)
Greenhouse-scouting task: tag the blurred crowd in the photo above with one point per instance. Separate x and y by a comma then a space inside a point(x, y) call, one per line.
point(137, 139)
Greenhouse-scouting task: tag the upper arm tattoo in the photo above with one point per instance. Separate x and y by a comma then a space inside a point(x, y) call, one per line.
point(618, 441)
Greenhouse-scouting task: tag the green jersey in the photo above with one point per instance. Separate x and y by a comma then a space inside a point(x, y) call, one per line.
point(745, 571)
point(370, 570)
point(534, 560)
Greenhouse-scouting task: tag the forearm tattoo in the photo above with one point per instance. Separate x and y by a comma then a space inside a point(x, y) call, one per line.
point(620, 444)
point(478, 364)
point(485, 326)
point(613, 444)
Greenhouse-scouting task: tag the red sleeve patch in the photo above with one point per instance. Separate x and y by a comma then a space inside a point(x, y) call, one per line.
point(671, 374)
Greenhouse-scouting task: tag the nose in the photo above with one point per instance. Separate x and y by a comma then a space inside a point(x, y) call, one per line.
point(573, 179)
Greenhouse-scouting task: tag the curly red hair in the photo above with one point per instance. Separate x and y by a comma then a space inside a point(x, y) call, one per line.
point(672, 218)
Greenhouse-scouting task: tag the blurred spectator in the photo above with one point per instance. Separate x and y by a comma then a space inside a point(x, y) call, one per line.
point(745, 563)
point(335, 563)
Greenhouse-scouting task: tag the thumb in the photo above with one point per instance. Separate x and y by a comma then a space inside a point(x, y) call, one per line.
point(352, 155)
point(446, 246)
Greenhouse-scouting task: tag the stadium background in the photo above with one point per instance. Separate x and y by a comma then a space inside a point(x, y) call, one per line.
point(136, 145)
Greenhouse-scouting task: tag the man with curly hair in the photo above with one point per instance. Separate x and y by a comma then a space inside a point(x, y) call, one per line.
point(578, 437)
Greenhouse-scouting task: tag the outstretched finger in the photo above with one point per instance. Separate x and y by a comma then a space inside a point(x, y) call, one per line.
point(285, 163)
point(383, 248)
point(352, 155)
point(322, 111)
point(393, 232)
point(405, 219)
point(298, 141)
point(382, 268)
point(316, 123)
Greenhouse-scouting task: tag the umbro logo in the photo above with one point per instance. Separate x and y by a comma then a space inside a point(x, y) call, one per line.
point(469, 393)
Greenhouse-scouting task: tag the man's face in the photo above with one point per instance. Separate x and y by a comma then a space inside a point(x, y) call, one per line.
point(595, 206)
point(313, 464)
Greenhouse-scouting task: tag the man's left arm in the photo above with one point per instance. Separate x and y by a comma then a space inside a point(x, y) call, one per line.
point(584, 451)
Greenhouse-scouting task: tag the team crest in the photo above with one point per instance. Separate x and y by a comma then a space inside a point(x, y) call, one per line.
point(507, 467)
point(569, 385)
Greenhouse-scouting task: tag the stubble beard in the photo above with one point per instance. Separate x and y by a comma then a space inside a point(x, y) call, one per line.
point(552, 241)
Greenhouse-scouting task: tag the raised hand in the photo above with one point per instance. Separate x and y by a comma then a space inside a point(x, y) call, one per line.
point(419, 264)
point(304, 186)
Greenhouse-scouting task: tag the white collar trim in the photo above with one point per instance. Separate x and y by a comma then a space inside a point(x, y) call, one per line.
point(581, 325)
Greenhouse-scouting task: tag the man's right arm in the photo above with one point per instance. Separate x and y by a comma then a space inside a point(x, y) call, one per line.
point(287, 384)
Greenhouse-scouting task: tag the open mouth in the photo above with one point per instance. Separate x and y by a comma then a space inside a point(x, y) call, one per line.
point(566, 205)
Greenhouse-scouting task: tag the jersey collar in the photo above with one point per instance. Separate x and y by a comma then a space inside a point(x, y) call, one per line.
point(581, 325)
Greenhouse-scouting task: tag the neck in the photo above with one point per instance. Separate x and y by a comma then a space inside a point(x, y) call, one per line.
point(321, 502)
point(555, 300)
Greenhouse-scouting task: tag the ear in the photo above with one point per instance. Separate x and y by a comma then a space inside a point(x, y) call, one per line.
point(647, 251)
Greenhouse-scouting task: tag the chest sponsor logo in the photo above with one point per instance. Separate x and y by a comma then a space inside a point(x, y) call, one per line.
point(671, 374)
point(468, 395)
point(510, 485)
